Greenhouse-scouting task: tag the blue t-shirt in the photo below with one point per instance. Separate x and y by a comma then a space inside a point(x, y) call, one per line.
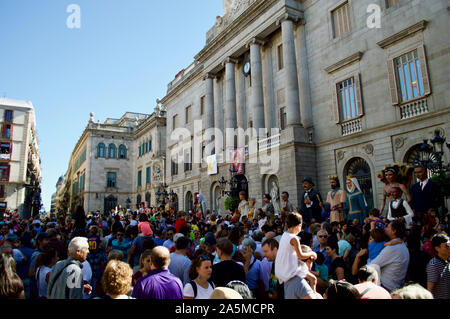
point(123, 246)
point(254, 274)
point(375, 249)
point(343, 246)
point(158, 241)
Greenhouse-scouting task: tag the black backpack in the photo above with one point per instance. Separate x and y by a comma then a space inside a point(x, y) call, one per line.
point(194, 286)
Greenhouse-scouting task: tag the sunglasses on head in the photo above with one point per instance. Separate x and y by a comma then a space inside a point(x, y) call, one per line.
point(204, 257)
point(120, 235)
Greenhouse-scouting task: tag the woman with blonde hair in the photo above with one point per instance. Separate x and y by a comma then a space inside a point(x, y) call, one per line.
point(11, 286)
point(116, 280)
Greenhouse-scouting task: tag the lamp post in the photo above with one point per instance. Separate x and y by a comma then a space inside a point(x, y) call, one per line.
point(430, 157)
point(164, 194)
point(234, 183)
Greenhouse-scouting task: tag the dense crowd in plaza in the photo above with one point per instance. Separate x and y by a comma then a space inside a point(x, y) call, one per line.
point(330, 248)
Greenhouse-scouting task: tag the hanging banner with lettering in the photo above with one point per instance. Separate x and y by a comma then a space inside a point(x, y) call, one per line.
point(238, 160)
point(212, 164)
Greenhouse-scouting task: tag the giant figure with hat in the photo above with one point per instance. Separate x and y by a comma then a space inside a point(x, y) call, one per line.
point(310, 202)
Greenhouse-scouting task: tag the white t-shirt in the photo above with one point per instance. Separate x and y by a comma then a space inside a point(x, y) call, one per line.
point(287, 264)
point(41, 273)
point(202, 293)
point(134, 222)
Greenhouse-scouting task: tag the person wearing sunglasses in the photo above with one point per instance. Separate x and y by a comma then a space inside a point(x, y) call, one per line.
point(169, 241)
point(121, 244)
point(322, 237)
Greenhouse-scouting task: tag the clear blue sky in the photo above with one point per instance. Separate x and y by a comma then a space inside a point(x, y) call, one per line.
point(121, 59)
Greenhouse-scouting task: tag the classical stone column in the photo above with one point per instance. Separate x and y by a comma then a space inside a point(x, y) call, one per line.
point(230, 94)
point(303, 78)
point(292, 90)
point(241, 109)
point(209, 100)
point(257, 95)
point(270, 105)
point(218, 113)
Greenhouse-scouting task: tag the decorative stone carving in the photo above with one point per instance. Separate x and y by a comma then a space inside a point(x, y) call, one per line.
point(399, 142)
point(157, 173)
point(340, 155)
point(368, 149)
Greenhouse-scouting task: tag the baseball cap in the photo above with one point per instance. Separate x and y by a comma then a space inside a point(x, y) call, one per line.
point(176, 236)
point(210, 240)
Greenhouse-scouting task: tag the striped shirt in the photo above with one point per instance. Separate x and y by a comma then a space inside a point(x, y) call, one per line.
point(438, 272)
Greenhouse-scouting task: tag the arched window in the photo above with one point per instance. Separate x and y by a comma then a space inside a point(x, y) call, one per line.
point(122, 151)
point(101, 150)
point(112, 151)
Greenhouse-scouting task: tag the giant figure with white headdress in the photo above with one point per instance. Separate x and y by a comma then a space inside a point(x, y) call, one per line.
point(355, 205)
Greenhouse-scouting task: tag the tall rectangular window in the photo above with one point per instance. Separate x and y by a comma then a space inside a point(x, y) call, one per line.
point(174, 121)
point(188, 161)
point(8, 116)
point(174, 167)
point(147, 175)
point(82, 182)
point(280, 57)
point(188, 114)
point(409, 76)
point(202, 105)
point(111, 179)
point(6, 131)
point(348, 102)
point(283, 118)
point(2, 191)
point(341, 20)
point(139, 179)
point(5, 151)
point(4, 173)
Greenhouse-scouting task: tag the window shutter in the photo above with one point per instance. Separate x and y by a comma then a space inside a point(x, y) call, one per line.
point(335, 105)
point(424, 69)
point(393, 82)
point(358, 94)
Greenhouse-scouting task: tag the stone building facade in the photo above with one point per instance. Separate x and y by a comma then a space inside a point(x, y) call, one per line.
point(108, 165)
point(20, 163)
point(347, 97)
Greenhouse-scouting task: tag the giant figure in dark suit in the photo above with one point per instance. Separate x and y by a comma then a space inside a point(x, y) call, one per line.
point(310, 202)
point(425, 194)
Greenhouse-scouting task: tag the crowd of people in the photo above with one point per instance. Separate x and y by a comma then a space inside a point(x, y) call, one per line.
point(324, 249)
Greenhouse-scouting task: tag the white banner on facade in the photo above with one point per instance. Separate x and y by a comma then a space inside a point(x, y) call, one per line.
point(212, 164)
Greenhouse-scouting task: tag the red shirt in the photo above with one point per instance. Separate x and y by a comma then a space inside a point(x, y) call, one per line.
point(180, 223)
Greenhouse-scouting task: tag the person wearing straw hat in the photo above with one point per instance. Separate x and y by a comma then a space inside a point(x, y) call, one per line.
point(355, 205)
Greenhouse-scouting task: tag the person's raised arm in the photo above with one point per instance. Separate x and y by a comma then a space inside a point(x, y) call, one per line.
point(357, 261)
point(300, 255)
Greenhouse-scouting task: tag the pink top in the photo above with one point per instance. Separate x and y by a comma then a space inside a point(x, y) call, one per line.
point(145, 229)
point(374, 292)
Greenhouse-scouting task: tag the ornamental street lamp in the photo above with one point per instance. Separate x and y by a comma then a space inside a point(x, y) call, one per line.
point(430, 157)
point(234, 183)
